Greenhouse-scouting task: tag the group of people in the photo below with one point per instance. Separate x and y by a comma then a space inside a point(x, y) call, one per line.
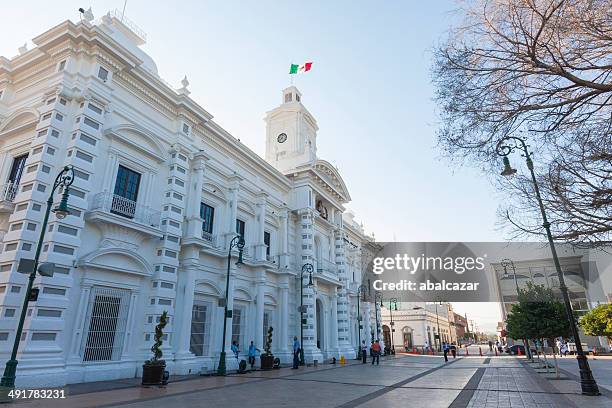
point(449, 348)
point(375, 352)
point(253, 350)
point(562, 347)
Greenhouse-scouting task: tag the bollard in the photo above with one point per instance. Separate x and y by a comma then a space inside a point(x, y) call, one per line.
point(480, 351)
point(496, 351)
point(342, 360)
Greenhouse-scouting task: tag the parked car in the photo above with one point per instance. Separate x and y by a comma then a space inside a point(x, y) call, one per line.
point(513, 350)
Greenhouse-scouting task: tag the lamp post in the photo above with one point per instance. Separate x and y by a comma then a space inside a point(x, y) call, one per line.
point(504, 147)
point(309, 268)
point(64, 179)
point(360, 290)
point(392, 323)
point(505, 263)
point(438, 324)
point(236, 242)
point(377, 297)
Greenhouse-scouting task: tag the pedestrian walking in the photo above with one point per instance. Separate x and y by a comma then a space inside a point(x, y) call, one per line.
point(490, 345)
point(453, 349)
point(426, 346)
point(235, 349)
point(364, 352)
point(252, 353)
point(445, 349)
point(558, 343)
point(296, 353)
point(376, 352)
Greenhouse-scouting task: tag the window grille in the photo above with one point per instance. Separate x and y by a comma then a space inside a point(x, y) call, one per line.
point(106, 322)
point(199, 343)
point(238, 325)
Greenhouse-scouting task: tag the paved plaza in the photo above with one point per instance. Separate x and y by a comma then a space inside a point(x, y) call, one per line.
point(403, 380)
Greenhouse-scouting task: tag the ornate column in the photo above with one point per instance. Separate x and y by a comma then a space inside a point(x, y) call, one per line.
point(334, 323)
point(306, 227)
point(284, 238)
point(284, 310)
point(186, 287)
point(79, 329)
point(259, 317)
point(232, 210)
point(344, 340)
point(194, 195)
point(260, 247)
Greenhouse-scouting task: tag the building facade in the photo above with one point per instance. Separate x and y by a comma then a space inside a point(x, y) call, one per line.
point(160, 189)
point(417, 324)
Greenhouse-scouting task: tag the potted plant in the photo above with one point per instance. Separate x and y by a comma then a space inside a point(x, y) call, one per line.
point(153, 369)
point(267, 358)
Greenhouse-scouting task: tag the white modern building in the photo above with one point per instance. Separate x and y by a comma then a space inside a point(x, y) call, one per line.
point(160, 190)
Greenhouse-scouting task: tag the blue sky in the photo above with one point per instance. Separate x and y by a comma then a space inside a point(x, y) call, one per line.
point(369, 90)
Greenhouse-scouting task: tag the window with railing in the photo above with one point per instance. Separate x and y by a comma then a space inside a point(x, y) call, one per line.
point(126, 192)
point(240, 227)
point(267, 243)
point(207, 213)
point(9, 190)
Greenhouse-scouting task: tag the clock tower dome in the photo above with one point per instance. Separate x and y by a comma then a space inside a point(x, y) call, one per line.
point(291, 133)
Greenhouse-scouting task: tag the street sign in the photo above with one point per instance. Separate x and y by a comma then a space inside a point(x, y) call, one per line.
point(392, 323)
point(304, 321)
point(437, 336)
point(360, 327)
point(33, 297)
point(222, 302)
point(25, 265)
point(229, 314)
point(301, 309)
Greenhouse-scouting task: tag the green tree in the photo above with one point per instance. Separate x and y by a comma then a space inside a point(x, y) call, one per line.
point(598, 322)
point(538, 315)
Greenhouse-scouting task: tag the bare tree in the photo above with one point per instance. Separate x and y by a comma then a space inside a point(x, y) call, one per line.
point(543, 68)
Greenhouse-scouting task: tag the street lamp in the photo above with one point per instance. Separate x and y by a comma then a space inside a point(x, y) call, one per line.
point(504, 147)
point(391, 323)
point(377, 297)
point(438, 324)
point(309, 268)
point(64, 179)
point(360, 292)
point(236, 242)
point(505, 263)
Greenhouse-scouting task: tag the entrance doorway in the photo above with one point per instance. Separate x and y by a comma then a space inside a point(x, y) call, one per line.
point(320, 325)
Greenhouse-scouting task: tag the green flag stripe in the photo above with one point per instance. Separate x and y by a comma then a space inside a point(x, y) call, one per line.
point(293, 69)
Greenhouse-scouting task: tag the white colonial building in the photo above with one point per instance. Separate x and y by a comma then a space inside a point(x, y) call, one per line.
point(160, 190)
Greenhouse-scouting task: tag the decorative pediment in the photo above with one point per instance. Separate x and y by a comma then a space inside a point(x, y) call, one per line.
point(117, 260)
point(19, 120)
point(330, 176)
point(138, 138)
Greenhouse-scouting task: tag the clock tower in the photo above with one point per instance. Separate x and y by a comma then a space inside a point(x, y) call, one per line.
point(291, 133)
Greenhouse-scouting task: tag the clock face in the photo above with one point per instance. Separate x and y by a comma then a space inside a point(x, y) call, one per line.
point(282, 138)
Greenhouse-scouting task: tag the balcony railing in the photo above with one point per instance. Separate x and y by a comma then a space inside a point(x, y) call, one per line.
point(210, 238)
point(9, 191)
point(116, 204)
point(327, 266)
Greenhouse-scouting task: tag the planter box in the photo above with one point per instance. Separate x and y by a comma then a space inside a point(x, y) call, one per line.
point(152, 374)
point(267, 362)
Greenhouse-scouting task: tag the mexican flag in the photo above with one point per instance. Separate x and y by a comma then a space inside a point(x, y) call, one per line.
point(300, 69)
